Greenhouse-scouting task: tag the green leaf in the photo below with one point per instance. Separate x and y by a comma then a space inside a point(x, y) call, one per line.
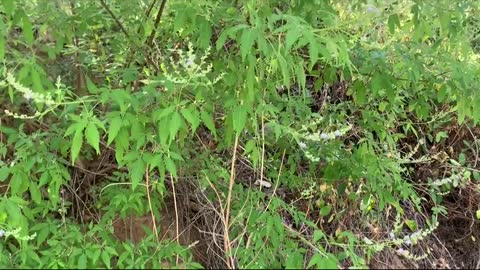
point(8, 7)
point(77, 142)
point(27, 31)
point(4, 172)
point(292, 37)
point(92, 88)
point(320, 261)
point(161, 113)
point(246, 41)
point(106, 259)
point(192, 118)
point(440, 135)
point(35, 193)
point(393, 21)
point(2, 46)
point(82, 261)
point(176, 123)
point(462, 159)
point(114, 128)
point(313, 51)
point(93, 137)
point(170, 165)
point(228, 33)
point(411, 224)
point(478, 214)
point(239, 119)
point(294, 261)
point(208, 121)
point(325, 210)
point(442, 93)
point(18, 184)
point(137, 169)
point(360, 92)
point(318, 235)
point(476, 175)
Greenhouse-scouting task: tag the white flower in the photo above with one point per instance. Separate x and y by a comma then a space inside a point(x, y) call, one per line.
point(407, 240)
point(302, 145)
point(337, 133)
point(402, 251)
point(188, 62)
point(2, 233)
point(372, 9)
point(324, 136)
point(391, 235)
point(28, 95)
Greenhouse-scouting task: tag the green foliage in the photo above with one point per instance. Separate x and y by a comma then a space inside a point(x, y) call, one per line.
point(81, 80)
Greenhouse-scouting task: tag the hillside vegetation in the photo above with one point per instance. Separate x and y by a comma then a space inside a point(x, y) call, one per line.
point(239, 134)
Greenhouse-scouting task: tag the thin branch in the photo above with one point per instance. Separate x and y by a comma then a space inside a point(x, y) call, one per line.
point(114, 18)
point(147, 14)
point(154, 222)
point(226, 238)
point(157, 21)
point(176, 217)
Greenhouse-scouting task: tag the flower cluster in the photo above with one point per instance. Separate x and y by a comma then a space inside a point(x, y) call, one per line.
point(189, 69)
point(28, 94)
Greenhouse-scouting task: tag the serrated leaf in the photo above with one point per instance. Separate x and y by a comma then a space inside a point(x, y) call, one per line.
point(239, 119)
point(294, 261)
point(106, 259)
point(228, 33)
point(440, 135)
point(82, 261)
point(360, 92)
point(72, 128)
point(192, 118)
point(325, 210)
point(137, 169)
point(292, 36)
point(393, 21)
point(2, 46)
point(161, 113)
point(246, 42)
point(318, 235)
point(175, 124)
point(8, 7)
point(313, 51)
point(93, 137)
point(170, 166)
point(91, 87)
point(27, 31)
point(411, 224)
point(442, 93)
point(208, 121)
point(4, 172)
point(35, 193)
point(462, 159)
point(77, 142)
point(114, 128)
point(328, 261)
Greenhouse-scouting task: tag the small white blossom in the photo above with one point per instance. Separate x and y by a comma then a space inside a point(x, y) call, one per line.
point(189, 62)
point(324, 136)
point(338, 133)
point(374, 10)
point(28, 95)
point(402, 251)
point(2, 233)
point(302, 145)
point(407, 240)
point(391, 235)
